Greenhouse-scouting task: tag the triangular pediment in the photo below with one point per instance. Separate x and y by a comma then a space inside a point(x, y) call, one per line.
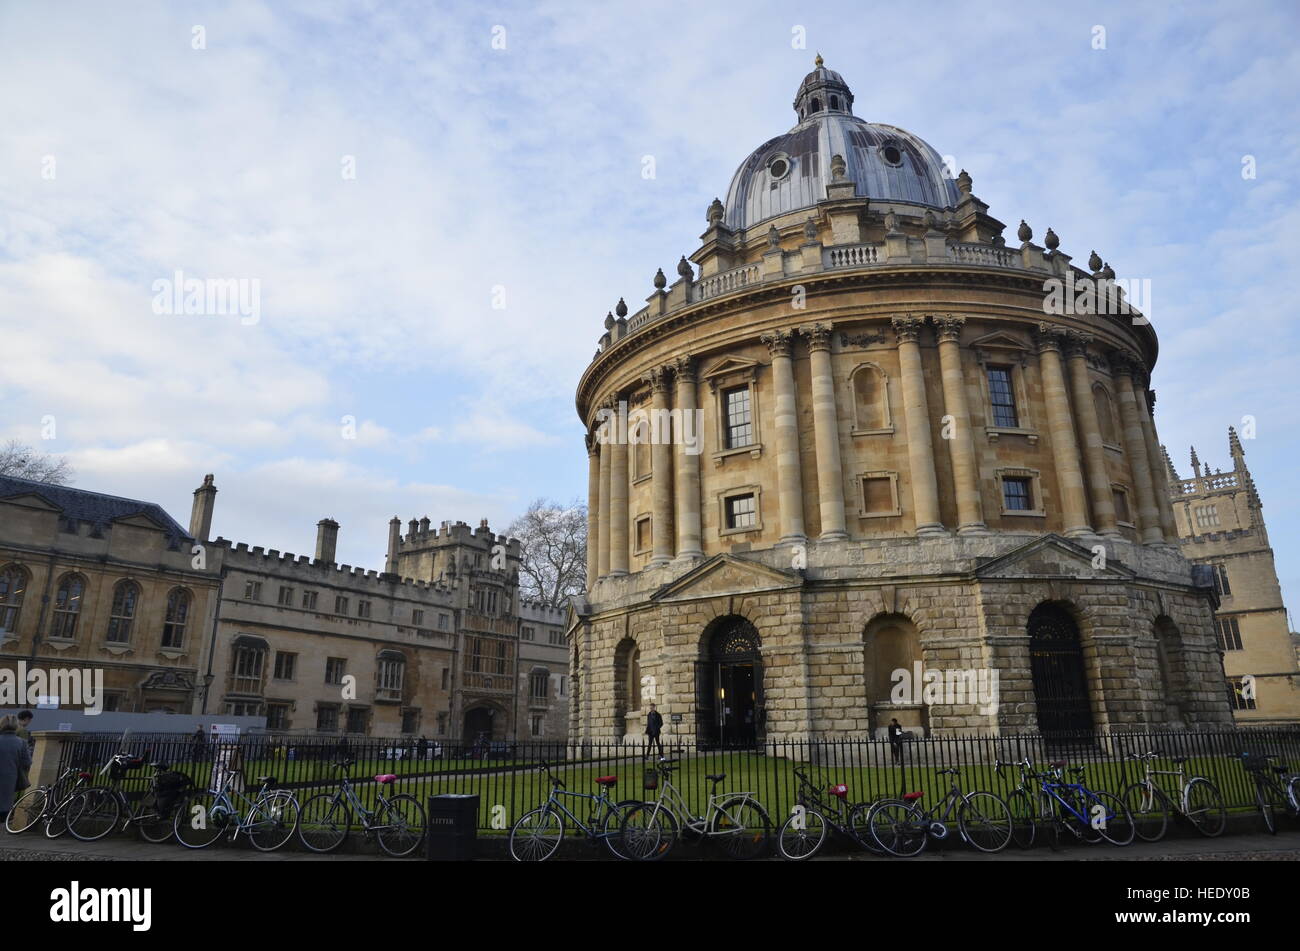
point(1052, 556)
point(726, 574)
point(729, 365)
point(141, 520)
point(999, 340)
point(32, 500)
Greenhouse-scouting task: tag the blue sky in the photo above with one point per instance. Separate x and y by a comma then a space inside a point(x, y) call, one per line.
point(517, 172)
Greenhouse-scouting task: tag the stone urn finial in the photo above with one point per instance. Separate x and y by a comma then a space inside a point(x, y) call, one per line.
point(621, 308)
point(838, 169)
point(715, 213)
point(1107, 272)
point(609, 321)
point(1051, 240)
point(1094, 262)
point(660, 281)
point(964, 182)
point(684, 270)
point(1024, 232)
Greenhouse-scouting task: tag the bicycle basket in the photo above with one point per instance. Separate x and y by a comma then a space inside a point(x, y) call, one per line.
point(651, 779)
point(1254, 762)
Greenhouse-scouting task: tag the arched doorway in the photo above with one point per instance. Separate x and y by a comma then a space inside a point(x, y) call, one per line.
point(1060, 681)
point(480, 725)
point(729, 685)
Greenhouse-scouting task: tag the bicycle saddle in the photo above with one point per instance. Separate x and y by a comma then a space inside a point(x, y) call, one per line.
point(912, 796)
point(1179, 760)
point(609, 781)
point(716, 777)
point(839, 789)
point(386, 778)
point(1057, 763)
point(84, 776)
point(159, 766)
point(1280, 768)
point(266, 780)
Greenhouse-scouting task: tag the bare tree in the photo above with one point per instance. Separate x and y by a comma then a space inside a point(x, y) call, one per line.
point(553, 551)
point(24, 462)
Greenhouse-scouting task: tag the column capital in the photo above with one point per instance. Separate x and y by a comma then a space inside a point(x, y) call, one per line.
point(819, 335)
point(779, 342)
point(683, 368)
point(1049, 337)
point(908, 327)
point(1126, 363)
point(1077, 343)
point(593, 444)
point(948, 326)
point(657, 377)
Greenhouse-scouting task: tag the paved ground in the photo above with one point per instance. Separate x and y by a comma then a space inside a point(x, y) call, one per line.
point(1251, 847)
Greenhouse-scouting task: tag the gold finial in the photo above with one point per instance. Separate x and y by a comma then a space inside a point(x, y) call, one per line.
point(818, 60)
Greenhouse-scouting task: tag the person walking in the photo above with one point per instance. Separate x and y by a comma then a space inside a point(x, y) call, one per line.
point(895, 741)
point(199, 744)
point(15, 761)
point(654, 724)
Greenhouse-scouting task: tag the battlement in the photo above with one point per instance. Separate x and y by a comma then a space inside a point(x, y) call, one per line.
point(541, 612)
point(421, 535)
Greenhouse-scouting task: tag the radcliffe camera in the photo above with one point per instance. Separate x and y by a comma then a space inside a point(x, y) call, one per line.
point(647, 434)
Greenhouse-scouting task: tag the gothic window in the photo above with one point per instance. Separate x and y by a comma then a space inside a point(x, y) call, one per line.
point(1239, 696)
point(1221, 586)
point(1207, 516)
point(126, 598)
point(391, 675)
point(67, 606)
point(13, 587)
point(178, 614)
point(538, 684)
point(1229, 633)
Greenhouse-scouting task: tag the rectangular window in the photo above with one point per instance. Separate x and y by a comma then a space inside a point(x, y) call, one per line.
point(527, 633)
point(417, 617)
point(1221, 586)
point(253, 590)
point(391, 675)
point(878, 495)
point(284, 665)
point(1238, 696)
point(444, 622)
point(1016, 495)
point(335, 668)
point(357, 721)
point(1207, 516)
point(537, 725)
point(562, 685)
point(340, 604)
point(643, 536)
point(1121, 505)
point(363, 609)
point(1229, 634)
point(741, 511)
point(327, 717)
point(309, 600)
point(112, 702)
point(410, 721)
point(557, 638)
point(442, 724)
point(1002, 398)
point(285, 597)
point(538, 683)
point(277, 716)
point(738, 416)
point(446, 675)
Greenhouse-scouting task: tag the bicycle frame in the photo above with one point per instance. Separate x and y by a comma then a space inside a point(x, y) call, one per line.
point(676, 804)
point(1079, 790)
point(242, 824)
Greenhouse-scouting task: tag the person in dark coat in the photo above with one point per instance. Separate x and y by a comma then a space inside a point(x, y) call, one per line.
point(654, 725)
point(199, 745)
point(895, 741)
point(15, 761)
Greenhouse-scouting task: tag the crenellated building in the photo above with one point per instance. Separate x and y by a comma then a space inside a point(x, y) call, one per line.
point(861, 433)
point(1220, 522)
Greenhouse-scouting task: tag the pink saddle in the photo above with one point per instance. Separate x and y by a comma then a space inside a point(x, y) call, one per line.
point(386, 778)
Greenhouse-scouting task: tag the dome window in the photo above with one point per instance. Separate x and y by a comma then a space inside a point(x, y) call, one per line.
point(891, 154)
point(778, 166)
point(835, 102)
point(816, 105)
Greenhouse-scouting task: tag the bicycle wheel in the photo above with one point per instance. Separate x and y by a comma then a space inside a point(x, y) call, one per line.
point(1023, 816)
point(742, 828)
point(93, 813)
point(1266, 811)
point(200, 820)
point(274, 820)
point(1293, 794)
point(27, 811)
point(536, 836)
point(611, 830)
point(1150, 811)
point(985, 820)
point(899, 829)
point(56, 820)
point(324, 822)
point(154, 824)
point(801, 835)
point(649, 832)
point(1203, 804)
point(402, 826)
point(1116, 826)
point(1083, 806)
point(860, 827)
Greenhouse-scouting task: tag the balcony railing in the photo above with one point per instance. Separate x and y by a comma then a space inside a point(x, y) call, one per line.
point(726, 282)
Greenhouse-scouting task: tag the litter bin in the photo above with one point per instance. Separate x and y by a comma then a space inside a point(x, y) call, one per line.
point(453, 828)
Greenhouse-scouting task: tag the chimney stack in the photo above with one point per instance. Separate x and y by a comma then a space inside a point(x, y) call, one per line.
point(394, 542)
point(327, 540)
point(205, 500)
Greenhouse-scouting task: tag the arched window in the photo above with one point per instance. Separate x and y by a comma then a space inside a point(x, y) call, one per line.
point(390, 676)
point(178, 612)
point(539, 682)
point(13, 586)
point(816, 105)
point(835, 102)
point(67, 606)
point(1105, 415)
point(126, 598)
point(870, 399)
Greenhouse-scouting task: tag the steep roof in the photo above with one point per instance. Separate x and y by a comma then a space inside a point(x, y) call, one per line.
point(94, 508)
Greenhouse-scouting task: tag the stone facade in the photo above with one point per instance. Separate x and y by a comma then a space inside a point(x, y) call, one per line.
point(1221, 525)
point(885, 445)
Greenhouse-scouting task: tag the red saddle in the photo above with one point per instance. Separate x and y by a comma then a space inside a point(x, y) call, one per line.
point(609, 781)
point(913, 796)
point(386, 778)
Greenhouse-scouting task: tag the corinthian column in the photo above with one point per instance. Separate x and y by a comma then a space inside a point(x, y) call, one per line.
point(687, 480)
point(661, 464)
point(1094, 451)
point(789, 478)
point(1159, 471)
point(961, 446)
point(1135, 450)
point(607, 434)
point(593, 511)
point(1065, 450)
point(920, 451)
point(826, 429)
point(618, 499)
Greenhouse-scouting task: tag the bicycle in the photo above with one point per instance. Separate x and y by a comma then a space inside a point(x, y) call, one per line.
point(1073, 807)
point(736, 819)
point(805, 831)
point(203, 817)
point(97, 810)
point(1198, 800)
point(398, 823)
point(1026, 803)
point(47, 803)
point(537, 834)
point(903, 829)
point(1283, 787)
